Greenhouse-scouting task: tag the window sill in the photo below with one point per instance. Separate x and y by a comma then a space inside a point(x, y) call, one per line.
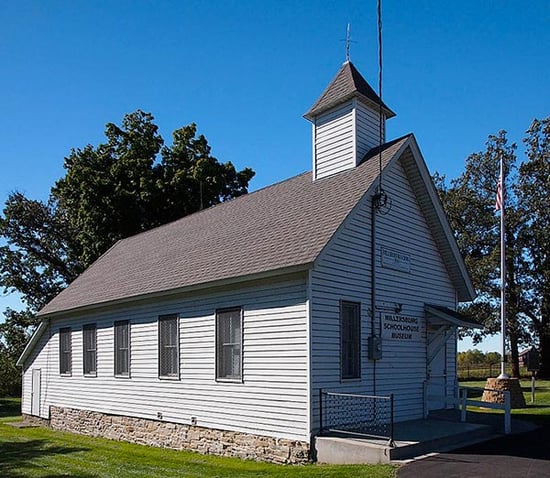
point(91, 374)
point(169, 378)
point(229, 380)
point(122, 376)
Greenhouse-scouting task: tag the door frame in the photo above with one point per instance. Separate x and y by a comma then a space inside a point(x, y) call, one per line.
point(436, 366)
point(36, 390)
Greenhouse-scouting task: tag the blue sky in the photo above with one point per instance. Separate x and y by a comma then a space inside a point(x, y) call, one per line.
point(246, 71)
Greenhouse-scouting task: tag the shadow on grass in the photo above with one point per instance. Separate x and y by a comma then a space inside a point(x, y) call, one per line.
point(10, 407)
point(16, 459)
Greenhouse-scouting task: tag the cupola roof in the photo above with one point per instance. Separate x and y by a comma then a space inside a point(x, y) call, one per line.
point(347, 83)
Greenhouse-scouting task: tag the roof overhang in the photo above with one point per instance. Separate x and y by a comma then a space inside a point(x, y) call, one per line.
point(439, 315)
point(32, 342)
point(173, 293)
point(314, 112)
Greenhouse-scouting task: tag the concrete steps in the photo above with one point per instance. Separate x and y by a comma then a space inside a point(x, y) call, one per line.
point(412, 439)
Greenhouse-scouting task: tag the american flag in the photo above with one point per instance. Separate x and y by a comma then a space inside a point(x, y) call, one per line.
point(498, 204)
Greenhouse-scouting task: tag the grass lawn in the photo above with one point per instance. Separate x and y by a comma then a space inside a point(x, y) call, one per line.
point(43, 452)
point(538, 412)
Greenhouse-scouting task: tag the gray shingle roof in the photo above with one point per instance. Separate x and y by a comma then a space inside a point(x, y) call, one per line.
point(283, 225)
point(347, 83)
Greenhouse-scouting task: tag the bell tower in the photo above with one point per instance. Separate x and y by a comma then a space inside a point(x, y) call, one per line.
point(345, 123)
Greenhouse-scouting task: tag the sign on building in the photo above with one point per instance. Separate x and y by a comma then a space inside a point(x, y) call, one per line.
point(401, 327)
point(396, 260)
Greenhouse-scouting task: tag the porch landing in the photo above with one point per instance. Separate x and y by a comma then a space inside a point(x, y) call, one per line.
point(411, 438)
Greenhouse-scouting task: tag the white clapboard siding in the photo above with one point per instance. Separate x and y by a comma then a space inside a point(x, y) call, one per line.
point(404, 229)
point(367, 123)
point(343, 135)
point(343, 272)
point(333, 148)
point(272, 400)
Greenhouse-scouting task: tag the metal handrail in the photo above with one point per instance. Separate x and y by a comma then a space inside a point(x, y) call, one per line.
point(363, 425)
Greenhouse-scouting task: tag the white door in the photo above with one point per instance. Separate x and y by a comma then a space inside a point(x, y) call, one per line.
point(35, 392)
point(437, 372)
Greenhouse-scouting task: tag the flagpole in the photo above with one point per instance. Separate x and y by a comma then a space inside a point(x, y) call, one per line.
point(503, 374)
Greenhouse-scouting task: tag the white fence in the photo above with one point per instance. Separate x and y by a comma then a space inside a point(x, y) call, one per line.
point(461, 400)
point(464, 401)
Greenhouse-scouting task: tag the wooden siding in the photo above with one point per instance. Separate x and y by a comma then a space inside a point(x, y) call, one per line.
point(271, 400)
point(343, 272)
point(343, 136)
point(367, 129)
point(334, 144)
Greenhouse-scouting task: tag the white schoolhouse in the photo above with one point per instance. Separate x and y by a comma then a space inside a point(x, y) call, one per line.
point(217, 332)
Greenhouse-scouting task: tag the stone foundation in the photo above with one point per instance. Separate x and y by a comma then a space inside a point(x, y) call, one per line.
point(179, 436)
point(517, 400)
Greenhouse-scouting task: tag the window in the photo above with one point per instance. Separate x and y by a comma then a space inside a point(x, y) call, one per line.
point(89, 349)
point(122, 348)
point(229, 344)
point(65, 351)
point(168, 346)
point(350, 340)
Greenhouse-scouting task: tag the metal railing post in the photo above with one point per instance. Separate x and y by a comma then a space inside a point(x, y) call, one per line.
point(507, 414)
point(320, 410)
point(425, 391)
point(391, 442)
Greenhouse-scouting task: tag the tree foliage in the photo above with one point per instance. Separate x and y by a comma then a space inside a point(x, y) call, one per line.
point(534, 190)
point(477, 357)
point(130, 183)
point(118, 188)
point(469, 202)
point(40, 255)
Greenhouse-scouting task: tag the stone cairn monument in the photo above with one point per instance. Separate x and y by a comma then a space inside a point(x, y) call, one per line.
point(498, 385)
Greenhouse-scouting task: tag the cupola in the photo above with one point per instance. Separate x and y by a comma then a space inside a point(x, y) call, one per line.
point(345, 122)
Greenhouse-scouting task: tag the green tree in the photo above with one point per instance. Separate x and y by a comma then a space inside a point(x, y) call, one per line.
point(471, 357)
point(14, 336)
point(470, 206)
point(534, 193)
point(132, 182)
point(492, 358)
point(469, 202)
point(40, 255)
point(127, 184)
